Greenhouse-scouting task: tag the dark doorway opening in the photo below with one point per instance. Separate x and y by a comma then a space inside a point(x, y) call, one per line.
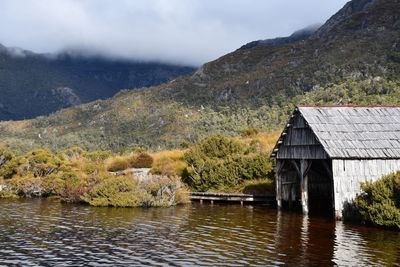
point(290, 185)
point(320, 188)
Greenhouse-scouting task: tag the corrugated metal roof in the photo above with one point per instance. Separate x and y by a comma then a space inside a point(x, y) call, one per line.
point(356, 132)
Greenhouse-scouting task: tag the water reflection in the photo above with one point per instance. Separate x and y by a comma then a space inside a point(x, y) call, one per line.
point(366, 246)
point(47, 233)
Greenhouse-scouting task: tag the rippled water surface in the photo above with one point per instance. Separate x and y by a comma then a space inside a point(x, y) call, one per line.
point(49, 233)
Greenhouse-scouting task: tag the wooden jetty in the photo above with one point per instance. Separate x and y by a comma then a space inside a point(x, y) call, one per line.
point(210, 197)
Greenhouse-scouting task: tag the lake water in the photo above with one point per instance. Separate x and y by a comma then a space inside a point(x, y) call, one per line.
point(48, 233)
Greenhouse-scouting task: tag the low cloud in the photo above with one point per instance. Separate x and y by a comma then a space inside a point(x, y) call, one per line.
point(177, 31)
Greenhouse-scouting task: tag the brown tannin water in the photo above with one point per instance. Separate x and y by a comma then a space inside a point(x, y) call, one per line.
point(48, 233)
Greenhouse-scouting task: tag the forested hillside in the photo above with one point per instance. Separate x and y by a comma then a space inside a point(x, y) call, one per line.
point(354, 58)
point(36, 84)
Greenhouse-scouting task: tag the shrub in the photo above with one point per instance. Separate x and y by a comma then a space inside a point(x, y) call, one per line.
point(218, 162)
point(28, 186)
point(98, 155)
point(218, 146)
point(250, 132)
point(72, 153)
point(379, 204)
point(7, 194)
point(117, 164)
point(258, 187)
point(257, 166)
point(8, 164)
point(143, 160)
point(123, 191)
point(185, 144)
point(117, 192)
point(40, 162)
point(69, 185)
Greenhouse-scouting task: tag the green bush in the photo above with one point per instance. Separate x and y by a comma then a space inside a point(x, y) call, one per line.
point(40, 162)
point(217, 146)
point(143, 160)
point(219, 162)
point(8, 164)
point(258, 187)
point(71, 153)
point(68, 185)
point(117, 192)
point(28, 186)
point(98, 155)
point(379, 204)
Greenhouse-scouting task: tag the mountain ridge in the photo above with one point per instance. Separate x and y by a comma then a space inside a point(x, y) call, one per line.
point(298, 35)
point(38, 84)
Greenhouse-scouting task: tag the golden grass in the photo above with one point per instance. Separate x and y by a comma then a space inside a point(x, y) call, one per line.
point(16, 126)
point(3, 145)
point(175, 154)
point(168, 162)
point(118, 163)
point(266, 140)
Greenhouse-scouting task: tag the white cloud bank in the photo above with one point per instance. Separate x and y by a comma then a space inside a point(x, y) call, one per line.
point(177, 31)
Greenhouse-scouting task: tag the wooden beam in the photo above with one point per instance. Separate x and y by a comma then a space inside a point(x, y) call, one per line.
point(280, 164)
point(297, 167)
point(278, 182)
point(305, 166)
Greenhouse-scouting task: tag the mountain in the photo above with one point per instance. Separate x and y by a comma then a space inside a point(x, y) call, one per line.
point(38, 84)
point(299, 35)
point(354, 58)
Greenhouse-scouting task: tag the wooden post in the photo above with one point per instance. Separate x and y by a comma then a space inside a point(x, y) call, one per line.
point(305, 166)
point(278, 183)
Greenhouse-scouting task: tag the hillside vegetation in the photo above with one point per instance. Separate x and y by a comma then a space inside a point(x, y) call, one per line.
point(354, 58)
point(102, 178)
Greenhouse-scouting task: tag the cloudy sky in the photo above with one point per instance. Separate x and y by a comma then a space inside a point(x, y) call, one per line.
point(178, 31)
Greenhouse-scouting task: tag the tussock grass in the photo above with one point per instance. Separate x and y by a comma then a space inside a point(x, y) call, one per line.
point(264, 141)
point(118, 163)
point(169, 162)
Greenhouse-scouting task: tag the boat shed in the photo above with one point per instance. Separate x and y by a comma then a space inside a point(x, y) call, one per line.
point(325, 153)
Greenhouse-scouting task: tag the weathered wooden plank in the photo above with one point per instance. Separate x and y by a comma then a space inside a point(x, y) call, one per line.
point(349, 174)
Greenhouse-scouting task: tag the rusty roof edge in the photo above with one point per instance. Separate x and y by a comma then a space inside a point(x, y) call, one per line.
point(347, 106)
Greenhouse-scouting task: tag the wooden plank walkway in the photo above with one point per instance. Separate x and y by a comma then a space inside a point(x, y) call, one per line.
point(227, 197)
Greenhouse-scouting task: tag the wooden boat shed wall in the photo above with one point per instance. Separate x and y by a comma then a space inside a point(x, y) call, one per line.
point(324, 153)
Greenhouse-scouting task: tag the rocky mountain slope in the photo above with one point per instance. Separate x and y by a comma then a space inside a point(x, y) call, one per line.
point(299, 35)
point(353, 58)
point(35, 84)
